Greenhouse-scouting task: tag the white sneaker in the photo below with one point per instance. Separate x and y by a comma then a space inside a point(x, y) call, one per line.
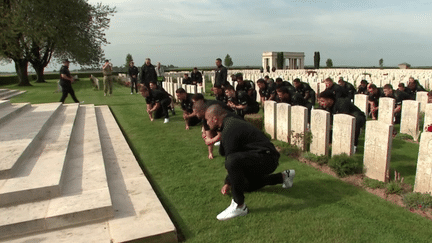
point(131, 92)
point(166, 120)
point(355, 149)
point(217, 143)
point(233, 211)
point(288, 178)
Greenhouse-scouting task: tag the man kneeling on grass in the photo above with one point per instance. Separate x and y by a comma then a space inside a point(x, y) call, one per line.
point(250, 158)
point(157, 103)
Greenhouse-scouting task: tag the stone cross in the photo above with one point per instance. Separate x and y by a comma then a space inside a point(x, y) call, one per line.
point(423, 179)
point(361, 101)
point(386, 110)
point(343, 134)
point(283, 131)
point(320, 128)
point(270, 118)
point(422, 97)
point(377, 148)
point(410, 115)
point(299, 119)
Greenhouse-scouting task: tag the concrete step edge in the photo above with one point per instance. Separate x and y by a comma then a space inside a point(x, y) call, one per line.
point(11, 95)
point(13, 110)
point(41, 184)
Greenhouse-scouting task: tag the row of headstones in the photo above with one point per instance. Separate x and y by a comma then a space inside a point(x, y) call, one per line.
point(289, 124)
point(171, 87)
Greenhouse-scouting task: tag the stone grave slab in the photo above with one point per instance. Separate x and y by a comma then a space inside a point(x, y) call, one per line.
point(299, 119)
point(320, 128)
point(283, 122)
point(343, 134)
point(422, 97)
point(386, 110)
point(423, 177)
point(377, 149)
point(270, 118)
point(428, 116)
point(361, 101)
point(410, 115)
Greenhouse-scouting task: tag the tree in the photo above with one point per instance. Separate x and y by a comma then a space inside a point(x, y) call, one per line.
point(37, 31)
point(381, 63)
point(128, 60)
point(228, 61)
point(317, 60)
point(280, 60)
point(329, 63)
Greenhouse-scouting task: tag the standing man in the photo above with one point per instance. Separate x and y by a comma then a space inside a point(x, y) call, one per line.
point(221, 74)
point(250, 158)
point(196, 77)
point(133, 73)
point(148, 73)
point(160, 72)
point(66, 81)
point(107, 79)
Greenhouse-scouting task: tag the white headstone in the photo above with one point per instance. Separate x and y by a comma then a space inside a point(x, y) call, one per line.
point(320, 128)
point(422, 97)
point(377, 149)
point(428, 116)
point(386, 110)
point(361, 101)
point(299, 121)
point(423, 179)
point(283, 122)
point(410, 115)
point(270, 118)
point(343, 134)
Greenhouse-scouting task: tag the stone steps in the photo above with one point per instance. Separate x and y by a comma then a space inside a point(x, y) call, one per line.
point(80, 182)
point(19, 138)
point(6, 94)
point(8, 110)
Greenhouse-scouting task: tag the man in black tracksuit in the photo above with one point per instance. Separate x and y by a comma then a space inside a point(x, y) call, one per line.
point(221, 74)
point(133, 74)
point(157, 103)
point(66, 82)
point(187, 105)
point(148, 73)
point(399, 97)
point(328, 101)
point(250, 158)
point(348, 88)
point(242, 103)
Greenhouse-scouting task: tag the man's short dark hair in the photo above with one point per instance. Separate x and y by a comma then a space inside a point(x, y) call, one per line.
point(297, 80)
point(402, 85)
point(153, 82)
point(218, 59)
point(279, 80)
point(282, 89)
point(229, 87)
point(388, 86)
point(186, 74)
point(239, 75)
point(328, 79)
point(198, 97)
point(327, 94)
point(373, 86)
point(364, 81)
point(218, 86)
point(180, 91)
point(260, 81)
point(266, 76)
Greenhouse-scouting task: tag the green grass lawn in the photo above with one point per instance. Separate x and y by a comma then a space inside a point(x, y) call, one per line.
point(319, 208)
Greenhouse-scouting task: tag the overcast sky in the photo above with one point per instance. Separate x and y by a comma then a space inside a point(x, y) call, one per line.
point(195, 33)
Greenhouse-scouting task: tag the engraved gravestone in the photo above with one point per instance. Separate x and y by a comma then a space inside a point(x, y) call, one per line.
point(386, 110)
point(298, 125)
point(423, 179)
point(410, 118)
point(320, 128)
point(283, 122)
point(422, 97)
point(361, 101)
point(377, 148)
point(428, 116)
point(270, 118)
point(343, 134)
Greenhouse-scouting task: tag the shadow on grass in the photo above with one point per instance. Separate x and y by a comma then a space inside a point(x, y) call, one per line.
point(313, 193)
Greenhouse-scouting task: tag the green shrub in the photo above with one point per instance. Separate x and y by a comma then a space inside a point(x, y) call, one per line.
point(371, 183)
point(417, 200)
point(288, 149)
point(403, 136)
point(393, 187)
point(344, 165)
point(319, 159)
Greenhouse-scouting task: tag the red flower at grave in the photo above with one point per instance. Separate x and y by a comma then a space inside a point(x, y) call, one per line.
point(429, 128)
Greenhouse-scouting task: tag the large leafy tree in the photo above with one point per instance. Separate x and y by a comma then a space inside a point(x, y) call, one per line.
point(329, 63)
point(37, 31)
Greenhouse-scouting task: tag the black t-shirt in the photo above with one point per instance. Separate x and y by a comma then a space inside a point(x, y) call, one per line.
point(267, 92)
point(241, 136)
point(187, 104)
point(338, 91)
point(245, 86)
point(222, 98)
point(349, 90)
point(221, 74)
point(399, 96)
point(196, 77)
point(187, 80)
point(244, 99)
point(362, 90)
point(344, 106)
point(375, 97)
point(65, 70)
point(156, 96)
